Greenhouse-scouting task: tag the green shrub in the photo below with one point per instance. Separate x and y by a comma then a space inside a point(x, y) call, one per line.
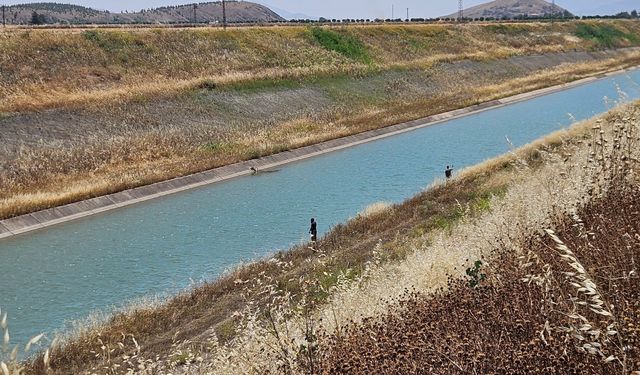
point(111, 41)
point(218, 147)
point(475, 276)
point(604, 35)
point(346, 45)
point(513, 30)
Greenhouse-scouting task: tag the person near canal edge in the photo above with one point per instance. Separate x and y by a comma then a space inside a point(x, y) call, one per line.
point(448, 172)
point(314, 230)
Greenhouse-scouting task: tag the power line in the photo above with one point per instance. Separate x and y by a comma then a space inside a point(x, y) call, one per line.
point(195, 13)
point(460, 11)
point(224, 14)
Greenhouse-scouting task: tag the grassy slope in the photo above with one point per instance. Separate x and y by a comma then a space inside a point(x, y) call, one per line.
point(45, 69)
point(531, 306)
point(192, 317)
point(386, 236)
point(554, 302)
point(75, 74)
point(500, 326)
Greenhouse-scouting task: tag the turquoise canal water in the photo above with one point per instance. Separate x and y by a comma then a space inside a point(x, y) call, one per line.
point(63, 273)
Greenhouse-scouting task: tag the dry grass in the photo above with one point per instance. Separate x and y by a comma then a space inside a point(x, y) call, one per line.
point(565, 301)
point(46, 175)
point(503, 326)
point(376, 209)
point(423, 312)
point(70, 68)
point(357, 251)
point(364, 265)
point(83, 71)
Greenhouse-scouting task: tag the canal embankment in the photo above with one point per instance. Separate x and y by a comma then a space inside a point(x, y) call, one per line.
point(89, 115)
point(420, 247)
point(57, 215)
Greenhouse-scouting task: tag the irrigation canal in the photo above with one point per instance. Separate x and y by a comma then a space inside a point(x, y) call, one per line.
point(51, 277)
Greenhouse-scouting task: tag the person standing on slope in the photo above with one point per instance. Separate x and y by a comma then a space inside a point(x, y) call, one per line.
point(448, 172)
point(314, 230)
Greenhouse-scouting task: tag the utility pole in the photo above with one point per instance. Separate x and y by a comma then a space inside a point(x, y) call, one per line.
point(224, 14)
point(4, 19)
point(407, 13)
point(195, 13)
point(393, 14)
point(553, 11)
point(460, 11)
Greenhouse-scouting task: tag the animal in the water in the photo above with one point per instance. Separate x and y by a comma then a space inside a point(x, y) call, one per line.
point(254, 171)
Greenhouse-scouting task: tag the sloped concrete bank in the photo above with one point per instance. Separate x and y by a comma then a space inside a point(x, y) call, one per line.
point(269, 106)
point(46, 218)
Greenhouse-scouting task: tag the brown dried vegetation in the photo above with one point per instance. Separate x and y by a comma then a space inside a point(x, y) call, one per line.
point(249, 320)
point(88, 113)
point(212, 309)
point(565, 302)
point(271, 315)
point(506, 325)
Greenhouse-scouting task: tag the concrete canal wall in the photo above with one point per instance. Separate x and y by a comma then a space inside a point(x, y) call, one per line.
point(38, 220)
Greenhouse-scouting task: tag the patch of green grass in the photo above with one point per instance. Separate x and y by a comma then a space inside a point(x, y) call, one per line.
point(512, 30)
point(447, 220)
point(111, 41)
point(604, 35)
point(182, 358)
point(217, 146)
point(482, 205)
point(226, 330)
point(400, 248)
point(482, 202)
point(327, 280)
point(124, 47)
point(415, 45)
point(346, 45)
point(418, 231)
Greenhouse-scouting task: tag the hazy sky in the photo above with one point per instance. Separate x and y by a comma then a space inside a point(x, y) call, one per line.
point(356, 8)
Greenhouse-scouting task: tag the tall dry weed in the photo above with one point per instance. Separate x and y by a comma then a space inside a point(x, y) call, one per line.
point(555, 301)
point(142, 151)
point(537, 197)
point(10, 354)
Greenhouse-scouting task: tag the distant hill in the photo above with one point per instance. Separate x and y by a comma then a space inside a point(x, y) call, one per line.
point(54, 13)
point(293, 16)
point(610, 7)
point(513, 9)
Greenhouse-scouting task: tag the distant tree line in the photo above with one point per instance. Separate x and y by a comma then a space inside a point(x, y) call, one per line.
point(46, 18)
point(566, 15)
point(622, 15)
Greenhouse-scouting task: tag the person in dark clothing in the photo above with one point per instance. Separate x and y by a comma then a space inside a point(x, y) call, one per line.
point(448, 172)
point(314, 230)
